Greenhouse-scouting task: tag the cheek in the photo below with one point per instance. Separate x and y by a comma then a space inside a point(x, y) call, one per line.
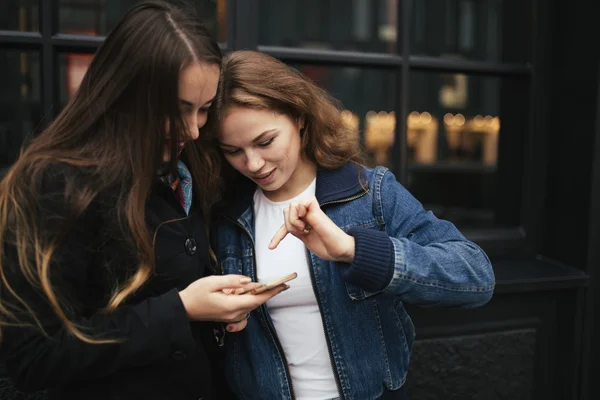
point(293, 149)
point(202, 120)
point(235, 162)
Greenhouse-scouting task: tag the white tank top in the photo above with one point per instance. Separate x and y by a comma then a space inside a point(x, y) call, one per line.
point(295, 312)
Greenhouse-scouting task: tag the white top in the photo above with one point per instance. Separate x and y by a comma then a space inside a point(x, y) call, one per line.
point(295, 312)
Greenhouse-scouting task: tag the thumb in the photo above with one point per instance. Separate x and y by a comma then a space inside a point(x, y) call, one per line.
point(219, 282)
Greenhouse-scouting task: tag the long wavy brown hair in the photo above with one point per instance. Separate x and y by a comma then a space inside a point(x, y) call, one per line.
point(256, 80)
point(114, 129)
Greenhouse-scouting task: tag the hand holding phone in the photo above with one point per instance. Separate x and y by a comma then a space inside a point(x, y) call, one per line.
point(274, 284)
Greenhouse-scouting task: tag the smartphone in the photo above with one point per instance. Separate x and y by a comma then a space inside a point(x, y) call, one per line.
point(274, 283)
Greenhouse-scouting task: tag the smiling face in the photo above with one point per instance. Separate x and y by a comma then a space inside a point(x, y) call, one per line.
point(265, 146)
point(197, 89)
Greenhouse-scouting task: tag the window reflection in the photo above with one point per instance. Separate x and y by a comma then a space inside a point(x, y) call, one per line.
point(473, 29)
point(20, 109)
point(360, 25)
point(73, 67)
point(19, 15)
point(98, 17)
point(454, 137)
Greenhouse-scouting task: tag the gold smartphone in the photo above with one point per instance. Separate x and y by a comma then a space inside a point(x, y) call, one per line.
point(274, 283)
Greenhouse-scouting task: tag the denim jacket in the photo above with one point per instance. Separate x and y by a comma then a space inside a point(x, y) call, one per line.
point(403, 254)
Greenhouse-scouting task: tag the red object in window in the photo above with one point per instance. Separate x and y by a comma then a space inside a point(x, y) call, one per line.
point(77, 65)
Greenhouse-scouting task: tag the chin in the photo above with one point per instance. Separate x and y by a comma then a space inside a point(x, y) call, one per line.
point(271, 187)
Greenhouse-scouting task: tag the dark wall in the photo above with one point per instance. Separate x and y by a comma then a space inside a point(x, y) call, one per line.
point(571, 132)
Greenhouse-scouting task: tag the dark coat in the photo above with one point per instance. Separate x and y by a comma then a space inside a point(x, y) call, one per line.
point(162, 355)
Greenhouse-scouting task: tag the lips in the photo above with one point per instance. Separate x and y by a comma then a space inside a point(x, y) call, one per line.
point(263, 176)
point(264, 179)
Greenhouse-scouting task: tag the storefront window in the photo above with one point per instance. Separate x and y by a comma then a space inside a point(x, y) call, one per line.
point(20, 108)
point(472, 29)
point(359, 25)
point(19, 15)
point(454, 131)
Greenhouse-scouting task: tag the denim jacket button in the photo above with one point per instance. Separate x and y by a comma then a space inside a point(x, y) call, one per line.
point(190, 246)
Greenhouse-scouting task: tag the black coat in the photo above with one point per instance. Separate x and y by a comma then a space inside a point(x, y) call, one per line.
point(162, 355)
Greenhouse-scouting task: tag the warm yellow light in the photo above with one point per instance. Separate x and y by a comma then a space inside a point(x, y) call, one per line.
point(425, 117)
point(449, 119)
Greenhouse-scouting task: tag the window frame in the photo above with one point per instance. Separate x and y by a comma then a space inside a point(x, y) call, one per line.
point(243, 22)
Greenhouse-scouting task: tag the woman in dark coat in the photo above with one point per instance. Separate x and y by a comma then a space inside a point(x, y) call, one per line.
point(104, 260)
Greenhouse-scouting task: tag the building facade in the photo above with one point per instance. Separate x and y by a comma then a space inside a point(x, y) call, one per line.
point(486, 110)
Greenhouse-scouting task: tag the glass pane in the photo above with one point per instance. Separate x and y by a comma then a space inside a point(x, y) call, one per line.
point(360, 25)
point(456, 148)
point(98, 17)
point(19, 15)
point(73, 67)
point(20, 107)
point(486, 30)
point(367, 96)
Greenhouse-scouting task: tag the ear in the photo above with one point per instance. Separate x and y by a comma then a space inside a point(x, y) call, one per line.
point(301, 123)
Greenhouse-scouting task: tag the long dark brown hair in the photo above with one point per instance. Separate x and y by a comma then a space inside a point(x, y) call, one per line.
point(114, 129)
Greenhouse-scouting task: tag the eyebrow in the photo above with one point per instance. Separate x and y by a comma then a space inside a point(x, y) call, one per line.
point(255, 140)
point(190, 104)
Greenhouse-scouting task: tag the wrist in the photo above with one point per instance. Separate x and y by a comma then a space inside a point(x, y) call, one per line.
point(185, 302)
point(348, 256)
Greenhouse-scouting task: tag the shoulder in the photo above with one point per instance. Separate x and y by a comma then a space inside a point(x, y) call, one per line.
point(374, 176)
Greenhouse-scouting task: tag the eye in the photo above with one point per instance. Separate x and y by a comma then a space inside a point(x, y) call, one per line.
point(267, 143)
point(205, 108)
point(231, 152)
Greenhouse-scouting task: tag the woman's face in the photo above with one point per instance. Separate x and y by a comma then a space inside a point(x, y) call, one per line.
point(197, 88)
point(265, 146)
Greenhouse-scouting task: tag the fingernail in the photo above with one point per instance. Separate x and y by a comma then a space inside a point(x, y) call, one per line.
point(286, 287)
point(229, 328)
point(245, 280)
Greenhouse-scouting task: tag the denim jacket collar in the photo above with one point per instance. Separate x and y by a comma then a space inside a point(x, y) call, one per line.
point(332, 186)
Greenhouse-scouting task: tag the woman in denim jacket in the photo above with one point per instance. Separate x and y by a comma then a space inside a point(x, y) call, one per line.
point(298, 199)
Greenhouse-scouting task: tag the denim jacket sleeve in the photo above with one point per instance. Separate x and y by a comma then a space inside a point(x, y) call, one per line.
point(426, 260)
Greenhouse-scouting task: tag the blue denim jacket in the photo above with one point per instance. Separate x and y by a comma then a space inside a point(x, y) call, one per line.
point(424, 260)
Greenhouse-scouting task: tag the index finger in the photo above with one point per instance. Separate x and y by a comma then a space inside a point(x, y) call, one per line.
point(278, 237)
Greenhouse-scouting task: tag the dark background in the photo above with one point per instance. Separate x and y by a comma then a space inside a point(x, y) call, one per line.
point(534, 206)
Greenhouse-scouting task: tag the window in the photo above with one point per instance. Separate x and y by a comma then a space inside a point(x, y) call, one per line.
point(358, 25)
point(20, 106)
point(441, 92)
point(454, 128)
point(98, 17)
point(438, 90)
point(19, 15)
point(485, 30)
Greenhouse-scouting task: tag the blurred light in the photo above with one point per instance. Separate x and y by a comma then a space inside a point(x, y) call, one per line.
point(425, 117)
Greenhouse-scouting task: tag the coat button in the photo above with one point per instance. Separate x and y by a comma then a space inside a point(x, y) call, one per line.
point(179, 355)
point(190, 246)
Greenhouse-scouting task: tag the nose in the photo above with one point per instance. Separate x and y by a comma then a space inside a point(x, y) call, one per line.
point(254, 162)
point(194, 123)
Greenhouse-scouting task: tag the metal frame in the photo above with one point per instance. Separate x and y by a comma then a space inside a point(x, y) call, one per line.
point(243, 33)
